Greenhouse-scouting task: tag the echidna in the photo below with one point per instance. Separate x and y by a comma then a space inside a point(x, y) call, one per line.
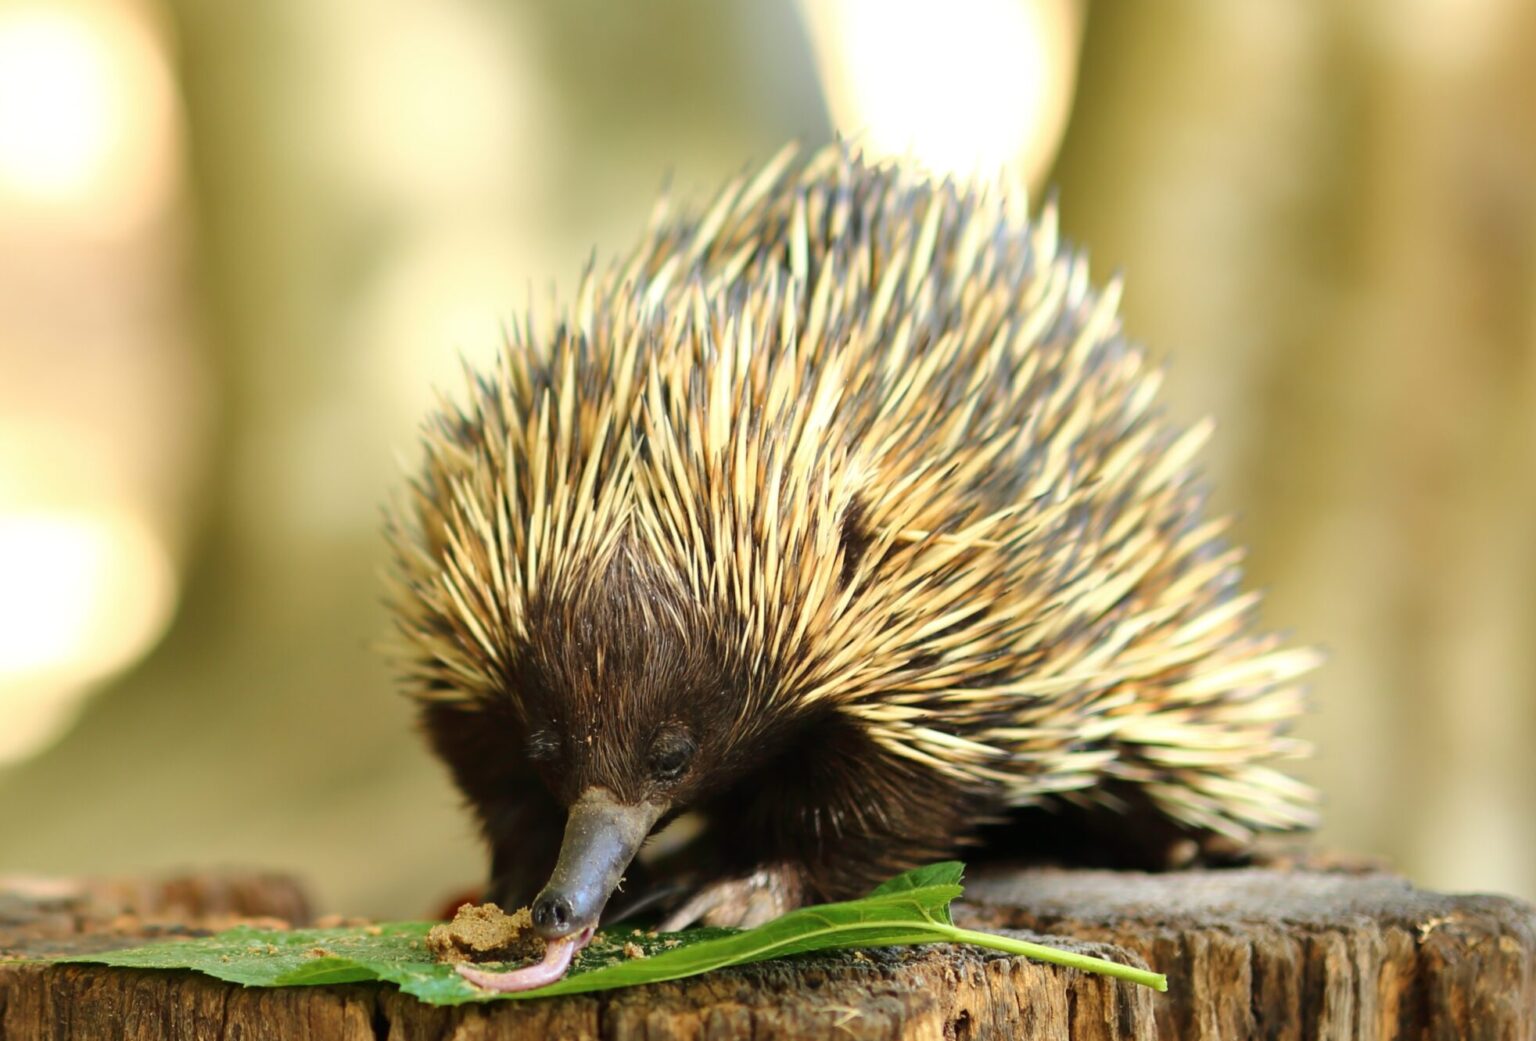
point(843, 515)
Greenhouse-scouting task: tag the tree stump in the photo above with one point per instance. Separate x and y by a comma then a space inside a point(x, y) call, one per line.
point(1250, 953)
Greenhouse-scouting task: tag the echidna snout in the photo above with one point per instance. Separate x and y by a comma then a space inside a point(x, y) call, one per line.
point(602, 836)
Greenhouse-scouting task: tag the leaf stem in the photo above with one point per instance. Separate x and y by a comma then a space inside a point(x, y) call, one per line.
point(1086, 962)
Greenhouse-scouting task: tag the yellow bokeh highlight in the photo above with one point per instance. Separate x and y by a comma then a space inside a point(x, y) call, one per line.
point(84, 593)
point(966, 87)
point(86, 115)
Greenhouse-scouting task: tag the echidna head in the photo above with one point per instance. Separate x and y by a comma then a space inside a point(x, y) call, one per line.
point(633, 712)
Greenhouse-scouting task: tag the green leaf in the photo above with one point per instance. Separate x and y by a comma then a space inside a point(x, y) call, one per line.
point(909, 909)
point(944, 873)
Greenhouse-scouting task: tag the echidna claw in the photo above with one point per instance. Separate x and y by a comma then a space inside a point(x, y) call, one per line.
point(741, 903)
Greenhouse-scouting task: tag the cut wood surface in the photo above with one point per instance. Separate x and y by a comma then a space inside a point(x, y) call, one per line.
point(40, 916)
point(1250, 953)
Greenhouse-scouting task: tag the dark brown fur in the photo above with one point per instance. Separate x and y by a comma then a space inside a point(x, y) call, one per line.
point(807, 792)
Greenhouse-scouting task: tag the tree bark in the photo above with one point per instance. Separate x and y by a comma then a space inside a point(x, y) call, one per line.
point(1250, 953)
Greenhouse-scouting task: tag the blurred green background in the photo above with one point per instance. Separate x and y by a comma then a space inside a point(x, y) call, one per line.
point(241, 244)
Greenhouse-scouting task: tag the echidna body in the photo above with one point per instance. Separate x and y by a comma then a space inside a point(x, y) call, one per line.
point(844, 515)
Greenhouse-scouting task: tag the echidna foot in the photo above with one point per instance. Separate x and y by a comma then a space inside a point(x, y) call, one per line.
point(741, 903)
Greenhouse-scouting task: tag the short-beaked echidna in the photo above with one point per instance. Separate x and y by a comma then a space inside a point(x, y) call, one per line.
point(843, 514)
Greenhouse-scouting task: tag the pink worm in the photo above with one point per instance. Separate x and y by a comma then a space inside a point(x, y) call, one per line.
point(557, 960)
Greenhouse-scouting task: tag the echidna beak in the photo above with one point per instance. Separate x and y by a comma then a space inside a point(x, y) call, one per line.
point(602, 836)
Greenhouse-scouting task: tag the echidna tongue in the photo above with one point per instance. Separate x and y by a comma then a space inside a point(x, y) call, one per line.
point(557, 959)
point(602, 836)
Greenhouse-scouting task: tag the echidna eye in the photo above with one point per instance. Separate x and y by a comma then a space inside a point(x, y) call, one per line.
point(543, 746)
point(671, 753)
